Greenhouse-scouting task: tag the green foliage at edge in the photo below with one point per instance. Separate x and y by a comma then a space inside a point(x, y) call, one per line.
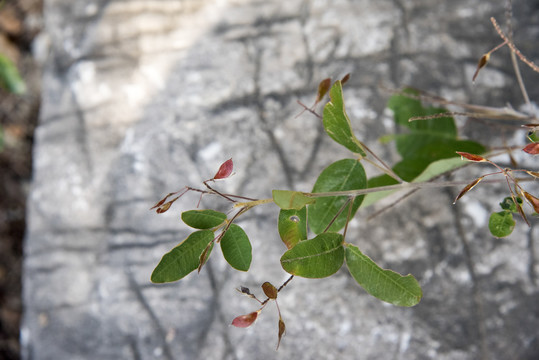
point(10, 79)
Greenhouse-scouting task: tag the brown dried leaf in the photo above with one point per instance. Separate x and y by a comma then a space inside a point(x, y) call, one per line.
point(244, 321)
point(482, 63)
point(244, 290)
point(282, 330)
point(203, 259)
point(531, 126)
point(162, 201)
point(270, 290)
point(468, 187)
point(345, 79)
point(532, 148)
point(521, 212)
point(323, 89)
point(471, 157)
point(534, 202)
point(165, 207)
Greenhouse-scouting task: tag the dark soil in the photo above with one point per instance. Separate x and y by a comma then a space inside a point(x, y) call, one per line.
point(20, 22)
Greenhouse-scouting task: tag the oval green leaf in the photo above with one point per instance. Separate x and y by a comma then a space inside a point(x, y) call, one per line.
point(316, 258)
point(237, 248)
point(203, 219)
point(383, 284)
point(183, 259)
point(286, 199)
point(501, 224)
point(292, 226)
point(336, 121)
point(346, 174)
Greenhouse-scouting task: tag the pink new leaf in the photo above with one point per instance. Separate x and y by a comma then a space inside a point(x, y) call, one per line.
point(244, 321)
point(224, 170)
point(532, 149)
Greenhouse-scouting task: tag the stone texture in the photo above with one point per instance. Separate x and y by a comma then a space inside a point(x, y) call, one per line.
point(143, 97)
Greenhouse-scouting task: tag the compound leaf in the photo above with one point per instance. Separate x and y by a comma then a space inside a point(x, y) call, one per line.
point(383, 284)
point(315, 258)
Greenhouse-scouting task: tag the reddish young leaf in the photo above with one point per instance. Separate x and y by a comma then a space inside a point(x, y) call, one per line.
point(531, 126)
point(323, 89)
point(224, 170)
point(532, 148)
point(471, 157)
point(244, 321)
point(345, 79)
point(270, 290)
point(467, 188)
point(534, 202)
point(282, 330)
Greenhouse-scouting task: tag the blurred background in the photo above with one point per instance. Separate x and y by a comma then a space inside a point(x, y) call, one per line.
point(126, 101)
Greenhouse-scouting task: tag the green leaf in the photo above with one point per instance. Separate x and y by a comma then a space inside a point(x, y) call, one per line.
point(346, 174)
point(237, 248)
point(183, 259)
point(385, 285)
point(286, 199)
point(433, 148)
point(509, 204)
point(405, 108)
point(501, 224)
point(203, 219)
point(378, 181)
point(336, 122)
point(439, 167)
point(315, 258)
point(10, 79)
point(292, 226)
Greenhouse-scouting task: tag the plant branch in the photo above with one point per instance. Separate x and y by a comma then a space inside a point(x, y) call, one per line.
point(513, 47)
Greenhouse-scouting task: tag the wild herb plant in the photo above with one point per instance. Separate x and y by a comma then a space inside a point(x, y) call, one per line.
point(313, 225)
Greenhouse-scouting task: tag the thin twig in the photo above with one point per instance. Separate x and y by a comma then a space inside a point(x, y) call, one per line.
point(513, 47)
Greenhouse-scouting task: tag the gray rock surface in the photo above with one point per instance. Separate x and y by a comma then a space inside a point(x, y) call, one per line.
point(143, 97)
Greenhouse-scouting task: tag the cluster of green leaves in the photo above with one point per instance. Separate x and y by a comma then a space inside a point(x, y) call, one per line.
point(194, 251)
point(501, 223)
